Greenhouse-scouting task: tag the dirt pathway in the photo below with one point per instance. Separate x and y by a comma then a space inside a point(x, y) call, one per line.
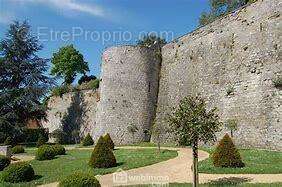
point(176, 170)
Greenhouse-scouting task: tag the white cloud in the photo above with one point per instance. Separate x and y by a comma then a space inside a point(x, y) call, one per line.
point(69, 5)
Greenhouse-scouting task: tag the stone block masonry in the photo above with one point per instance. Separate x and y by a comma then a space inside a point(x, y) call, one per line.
point(129, 91)
point(230, 62)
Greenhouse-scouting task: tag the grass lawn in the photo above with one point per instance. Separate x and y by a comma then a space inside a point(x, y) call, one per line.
point(221, 185)
point(257, 161)
point(77, 160)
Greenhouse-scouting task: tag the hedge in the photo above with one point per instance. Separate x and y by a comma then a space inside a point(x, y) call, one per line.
point(18, 172)
point(4, 162)
point(80, 180)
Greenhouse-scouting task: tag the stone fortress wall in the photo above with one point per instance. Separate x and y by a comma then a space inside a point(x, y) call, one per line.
point(239, 52)
point(77, 110)
point(129, 90)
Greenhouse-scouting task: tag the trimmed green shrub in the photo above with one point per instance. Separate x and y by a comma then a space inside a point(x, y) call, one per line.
point(45, 152)
point(40, 141)
point(18, 172)
point(4, 162)
point(102, 156)
point(9, 141)
point(109, 141)
point(59, 149)
point(226, 154)
point(80, 180)
point(87, 141)
point(18, 149)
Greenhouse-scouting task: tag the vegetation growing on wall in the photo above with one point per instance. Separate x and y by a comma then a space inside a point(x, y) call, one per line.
point(219, 8)
point(277, 81)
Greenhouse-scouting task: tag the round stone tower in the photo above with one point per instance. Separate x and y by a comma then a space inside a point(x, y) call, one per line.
point(129, 89)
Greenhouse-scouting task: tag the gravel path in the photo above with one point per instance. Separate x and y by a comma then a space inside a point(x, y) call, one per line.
point(176, 170)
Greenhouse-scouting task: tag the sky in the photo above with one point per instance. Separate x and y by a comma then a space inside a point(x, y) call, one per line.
point(93, 25)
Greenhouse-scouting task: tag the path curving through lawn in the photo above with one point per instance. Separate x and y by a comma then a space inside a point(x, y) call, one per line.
point(176, 170)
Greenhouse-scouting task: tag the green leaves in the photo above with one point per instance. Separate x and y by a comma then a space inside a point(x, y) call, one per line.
point(67, 63)
point(191, 122)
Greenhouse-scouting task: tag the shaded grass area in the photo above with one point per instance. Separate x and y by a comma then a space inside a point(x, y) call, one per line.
point(77, 160)
point(256, 161)
point(218, 184)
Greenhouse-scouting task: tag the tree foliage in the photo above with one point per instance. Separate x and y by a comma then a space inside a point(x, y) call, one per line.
point(109, 141)
point(67, 63)
point(151, 40)
point(219, 8)
point(23, 80)
point(191, 122)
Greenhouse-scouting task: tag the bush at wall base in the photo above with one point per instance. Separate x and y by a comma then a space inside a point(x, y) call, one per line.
point(4, 162)
point(45, 152)
point(18, 172)
point(17, 149)
point(102, 156)
point(59, 149)
point(226, 154)
point(41, 141)
point(80, 180)
point(109, 141)
point(87, 141)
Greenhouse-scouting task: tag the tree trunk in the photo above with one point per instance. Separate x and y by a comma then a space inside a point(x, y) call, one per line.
point(195, 165)
point(159, 145)
point(231, 131)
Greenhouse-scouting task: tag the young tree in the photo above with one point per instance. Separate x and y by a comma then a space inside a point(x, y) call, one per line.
point(67, 63)
point(23, 80)
point(132, 129)
point(191, 123)
point(156, 131)
point(232, 125)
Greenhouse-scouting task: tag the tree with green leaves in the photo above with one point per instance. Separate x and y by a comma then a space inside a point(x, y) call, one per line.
point(219, 8)
point(156, 132)
point(132, 129)
point(232, 125)
point(67, 63)
point(192, 123)
point(23, 80)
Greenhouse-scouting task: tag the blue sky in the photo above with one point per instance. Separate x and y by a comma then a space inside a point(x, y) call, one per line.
point(93, 25)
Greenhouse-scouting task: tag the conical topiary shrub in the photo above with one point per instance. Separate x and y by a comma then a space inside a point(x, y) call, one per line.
point(87, 141)
point(109, 141)
point(102, 156)
point(226, 154)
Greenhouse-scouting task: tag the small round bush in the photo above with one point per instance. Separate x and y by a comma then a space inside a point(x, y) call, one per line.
point(18, 172)
point(45, 152)
point(18, 149)
point(226, 154)
point(102, 156)
point(109, 141)
point(41, 141)
point(87, 141)
point(80, 180)
point(4, 162)
point(59, 149)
